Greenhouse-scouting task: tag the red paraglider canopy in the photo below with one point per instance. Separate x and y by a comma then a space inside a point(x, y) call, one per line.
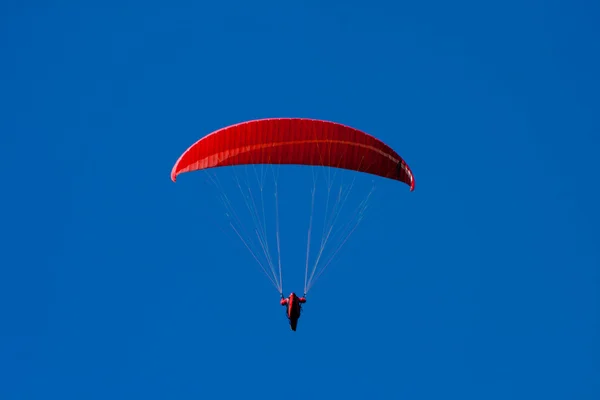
point(298, 141)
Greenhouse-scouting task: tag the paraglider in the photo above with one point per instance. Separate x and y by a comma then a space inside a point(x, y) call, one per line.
point(293, 308)
point(297, 141)
point(293, 141)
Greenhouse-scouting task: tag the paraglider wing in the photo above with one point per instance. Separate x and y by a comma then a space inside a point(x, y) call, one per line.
point(296, 141)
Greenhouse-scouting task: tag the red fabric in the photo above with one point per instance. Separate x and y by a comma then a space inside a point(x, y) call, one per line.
point(294, 141)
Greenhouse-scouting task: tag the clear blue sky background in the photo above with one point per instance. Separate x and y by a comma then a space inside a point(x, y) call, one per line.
point(481, 284)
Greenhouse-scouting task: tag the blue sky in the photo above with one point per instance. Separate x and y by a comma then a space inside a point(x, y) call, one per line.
point(481, 284)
